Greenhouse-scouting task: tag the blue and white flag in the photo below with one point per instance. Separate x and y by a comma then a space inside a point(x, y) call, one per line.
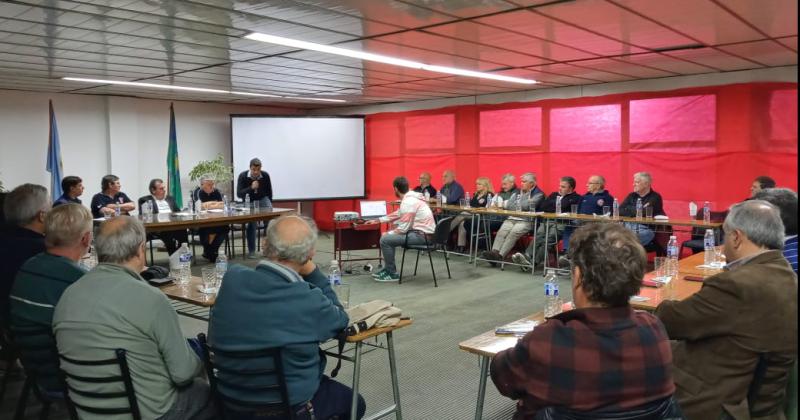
point(54, 165)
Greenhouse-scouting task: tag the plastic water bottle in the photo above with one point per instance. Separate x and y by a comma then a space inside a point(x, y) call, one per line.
point(558, 204)
point(334, 274)
point(708, 247)
point(198, 206)
point(439, 198)
point(615, 210)
point(672, 256)
point(247, 202)
point(226, 206)
point(552, 302)
point(185, 264)
point(639, 208)
point(190, 204)
point(466, 198)
point(427, 195)
point(519, 202)
point(706, 212)
point(220, 267)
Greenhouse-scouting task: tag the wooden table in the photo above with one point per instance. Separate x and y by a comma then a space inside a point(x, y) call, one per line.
point(360, 340)
point(486, 346)
point(188, 301)
point(177, 221)
point(678, 289)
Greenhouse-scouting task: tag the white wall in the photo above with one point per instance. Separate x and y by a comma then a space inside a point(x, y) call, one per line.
point(100, 135)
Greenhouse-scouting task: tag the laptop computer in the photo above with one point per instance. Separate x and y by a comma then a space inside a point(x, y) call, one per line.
point(373, 209)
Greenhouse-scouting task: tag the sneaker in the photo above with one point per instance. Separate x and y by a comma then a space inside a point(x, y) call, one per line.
point(522, 260)
point(378, 273)
point(252, 255)
point(387, 277)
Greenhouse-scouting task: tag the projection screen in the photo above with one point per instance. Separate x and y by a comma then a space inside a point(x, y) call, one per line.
point(307, 158)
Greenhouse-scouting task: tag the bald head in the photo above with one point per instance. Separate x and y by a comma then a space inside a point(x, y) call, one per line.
point(448, 176)
point(290, 238)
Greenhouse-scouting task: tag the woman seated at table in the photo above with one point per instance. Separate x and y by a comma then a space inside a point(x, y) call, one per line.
point(484, 193)
point(210, 237)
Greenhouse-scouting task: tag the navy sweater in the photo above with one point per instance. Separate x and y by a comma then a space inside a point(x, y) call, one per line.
point(259, 308)
point(593, 203)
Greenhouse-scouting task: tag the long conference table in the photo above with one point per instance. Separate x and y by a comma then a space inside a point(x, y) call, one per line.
point(482, 213)
point(488, 344)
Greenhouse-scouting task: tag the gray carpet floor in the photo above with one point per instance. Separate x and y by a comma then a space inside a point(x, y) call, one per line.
point(437, 380)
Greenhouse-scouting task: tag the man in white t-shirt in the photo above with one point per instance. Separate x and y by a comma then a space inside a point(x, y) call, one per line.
point(161, 203)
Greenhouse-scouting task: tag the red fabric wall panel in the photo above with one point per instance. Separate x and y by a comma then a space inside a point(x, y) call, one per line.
point(699, 144)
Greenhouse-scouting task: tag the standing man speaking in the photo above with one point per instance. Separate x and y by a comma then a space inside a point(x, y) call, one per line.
point(256, 183)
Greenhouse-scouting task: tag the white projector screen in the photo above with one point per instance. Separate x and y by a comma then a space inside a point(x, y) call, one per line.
point(307, 158)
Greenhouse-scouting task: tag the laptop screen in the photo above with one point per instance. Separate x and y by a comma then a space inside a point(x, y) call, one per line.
point(373, 208)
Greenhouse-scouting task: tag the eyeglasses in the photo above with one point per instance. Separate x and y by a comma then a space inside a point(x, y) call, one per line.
point(592, 183)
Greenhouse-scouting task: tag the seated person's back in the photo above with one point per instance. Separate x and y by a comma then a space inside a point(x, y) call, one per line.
point(602, 355)
point(285, 302)
point(111, 308)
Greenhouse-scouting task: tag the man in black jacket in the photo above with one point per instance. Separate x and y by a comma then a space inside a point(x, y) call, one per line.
point(643, 190)
point(23, 237)
point(567, 196)
point(256, 184)
point(161, 203)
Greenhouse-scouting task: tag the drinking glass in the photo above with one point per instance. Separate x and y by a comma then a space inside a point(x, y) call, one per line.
point(719, 257)
point(606, 210)
point(661, 268)
point(255, 206)
point(343, 293)
point(573, 210)
point(648, 212)
point(462, 203)
point(209, 279)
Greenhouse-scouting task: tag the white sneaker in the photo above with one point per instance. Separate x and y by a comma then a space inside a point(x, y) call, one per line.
point(522, 260)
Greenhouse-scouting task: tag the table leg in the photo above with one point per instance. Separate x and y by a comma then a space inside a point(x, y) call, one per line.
point(356, 377)
point(393, 370)
point(484, 368)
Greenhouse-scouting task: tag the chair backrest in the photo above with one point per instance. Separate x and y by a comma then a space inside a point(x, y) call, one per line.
point(665, 408)
point(141, 201)
point(442, 232)
point(37, 351)
point(257, 372)
point(766, 394)
point(80, 385)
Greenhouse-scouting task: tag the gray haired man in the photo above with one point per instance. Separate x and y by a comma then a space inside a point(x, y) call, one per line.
point(296, 310)
point(741, 318)
point(25, 209)
point(527, 199)
point(112, 307)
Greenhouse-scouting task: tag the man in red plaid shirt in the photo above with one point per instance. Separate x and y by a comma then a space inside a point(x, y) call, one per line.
point(601, 356)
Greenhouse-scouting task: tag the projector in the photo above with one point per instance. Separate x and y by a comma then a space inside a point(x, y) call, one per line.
point(342, 216)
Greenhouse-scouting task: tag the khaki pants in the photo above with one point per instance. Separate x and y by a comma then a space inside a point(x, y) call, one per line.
point(510, 231)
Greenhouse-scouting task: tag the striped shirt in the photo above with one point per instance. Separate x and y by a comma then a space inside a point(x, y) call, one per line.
point(790, 251)
point(36, 291)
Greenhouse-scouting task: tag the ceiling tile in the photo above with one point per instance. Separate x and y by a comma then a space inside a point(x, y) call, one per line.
point(774, 17)
point(770, 53)
point(699, 19)
point(713, 58)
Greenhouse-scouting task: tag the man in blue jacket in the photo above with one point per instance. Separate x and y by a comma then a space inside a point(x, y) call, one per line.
point(284, 302)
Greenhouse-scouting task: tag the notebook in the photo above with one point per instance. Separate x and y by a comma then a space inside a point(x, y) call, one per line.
point(373, 209)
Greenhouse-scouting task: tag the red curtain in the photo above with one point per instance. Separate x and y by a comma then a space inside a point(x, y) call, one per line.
point(699, 144)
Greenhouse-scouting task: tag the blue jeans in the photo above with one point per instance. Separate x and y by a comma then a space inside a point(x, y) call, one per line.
point(390, 241)
point(643, 232)
point(331, 401)
point(251, 227)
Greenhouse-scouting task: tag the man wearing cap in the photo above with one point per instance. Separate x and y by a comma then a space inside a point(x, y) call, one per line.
point(256, 183)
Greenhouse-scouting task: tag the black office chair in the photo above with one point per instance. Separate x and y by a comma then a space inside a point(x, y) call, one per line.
point(663, 409)
point(240, 374)
point(438, 241)
point(698, 233)
point(39, 357)
point(78, 385)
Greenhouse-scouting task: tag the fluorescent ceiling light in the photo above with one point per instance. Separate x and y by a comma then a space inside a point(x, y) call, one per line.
point(296, 43)
point(147, 85)
point(313, 99)
point(192, 89)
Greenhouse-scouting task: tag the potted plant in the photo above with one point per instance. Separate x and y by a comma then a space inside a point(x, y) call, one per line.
point(216, 169)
